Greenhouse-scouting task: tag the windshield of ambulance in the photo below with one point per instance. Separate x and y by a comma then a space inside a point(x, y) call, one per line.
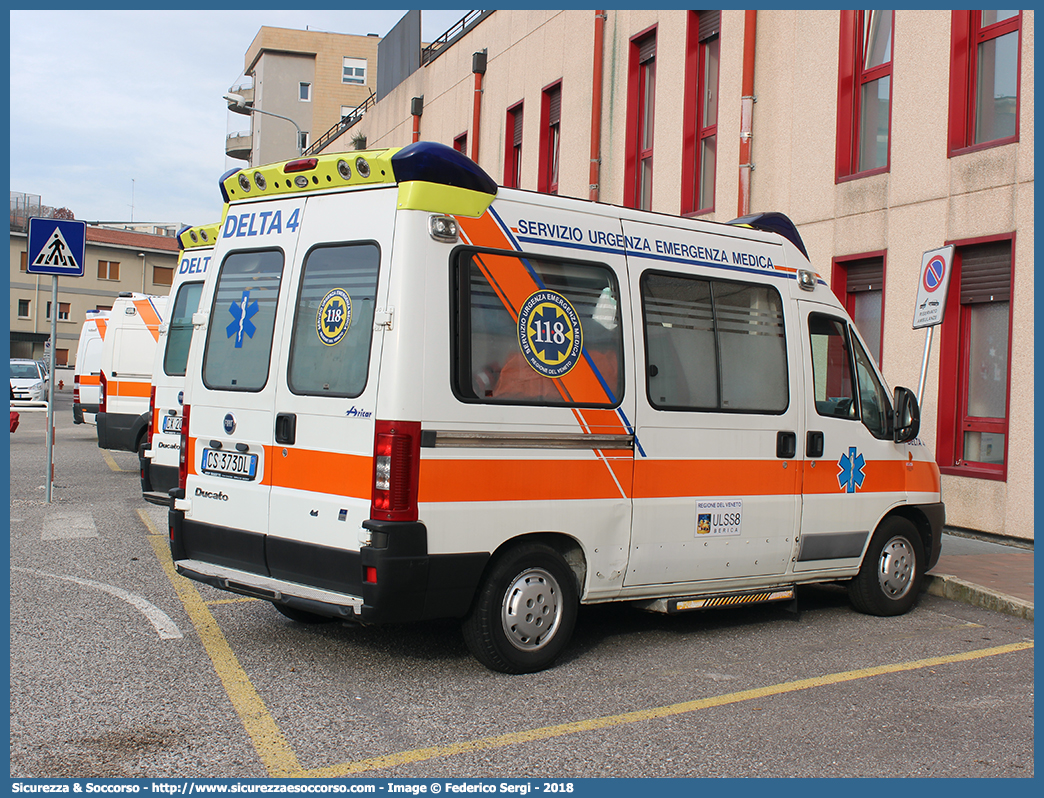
point(179, 332)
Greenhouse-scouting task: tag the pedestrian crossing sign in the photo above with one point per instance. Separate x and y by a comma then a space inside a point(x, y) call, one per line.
point(56, 246)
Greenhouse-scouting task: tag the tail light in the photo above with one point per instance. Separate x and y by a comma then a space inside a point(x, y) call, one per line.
point(76, 390)
point(183, 455)
point(396, 470)
point(103, 385)
point(152, 414)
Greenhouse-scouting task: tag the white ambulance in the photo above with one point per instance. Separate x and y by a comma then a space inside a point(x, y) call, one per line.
point(413, 395)
point(87, 368)
point(126, 370)
point(158, 456)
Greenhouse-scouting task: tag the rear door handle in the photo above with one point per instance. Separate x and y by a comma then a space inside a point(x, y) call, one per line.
point(786, 444)
point(286, 428)
point(814, 444)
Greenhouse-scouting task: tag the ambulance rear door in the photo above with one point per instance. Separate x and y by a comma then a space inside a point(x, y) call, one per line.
point(325, 379)
point(231, 400)
point(717, 480)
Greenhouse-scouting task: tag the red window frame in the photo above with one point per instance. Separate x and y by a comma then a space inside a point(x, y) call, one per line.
point(966, 34)
point(639, 110)
point(954, 371)
point(550, 140)
point(460, 143)
point(695, 129)
point(513, 147)
point(851, 78)
point(839, 285)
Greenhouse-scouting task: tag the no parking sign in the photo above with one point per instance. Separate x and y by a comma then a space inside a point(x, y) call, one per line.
point(933, 287)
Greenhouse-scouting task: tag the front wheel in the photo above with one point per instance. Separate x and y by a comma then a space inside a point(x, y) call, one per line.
point(889, 580)
point(525, 611)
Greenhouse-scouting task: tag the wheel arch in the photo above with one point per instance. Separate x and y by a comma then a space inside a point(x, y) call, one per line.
point(566, 545)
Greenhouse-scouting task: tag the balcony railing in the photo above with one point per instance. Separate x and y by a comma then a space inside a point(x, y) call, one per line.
point(462, 26)
point(347, 121)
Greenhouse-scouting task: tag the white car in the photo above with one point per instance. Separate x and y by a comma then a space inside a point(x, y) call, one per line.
point(28, 382)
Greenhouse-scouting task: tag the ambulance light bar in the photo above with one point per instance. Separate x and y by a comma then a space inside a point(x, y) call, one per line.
point(423, 161)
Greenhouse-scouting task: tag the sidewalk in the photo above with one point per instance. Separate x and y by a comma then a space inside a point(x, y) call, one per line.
point(996, 576)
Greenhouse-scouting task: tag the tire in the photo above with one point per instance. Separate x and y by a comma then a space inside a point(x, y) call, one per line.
point(889, 581)
point(301, 616)
point(524, 612)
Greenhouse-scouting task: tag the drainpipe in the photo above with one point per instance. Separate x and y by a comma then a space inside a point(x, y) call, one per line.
point(596, 104)
point(750, 24)
point(417, 108)
point(478, 66)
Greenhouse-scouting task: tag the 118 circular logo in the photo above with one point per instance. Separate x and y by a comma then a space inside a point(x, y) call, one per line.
point(334, 316)
point(549, 334)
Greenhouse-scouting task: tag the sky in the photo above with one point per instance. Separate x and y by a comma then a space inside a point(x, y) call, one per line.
point(119, 116)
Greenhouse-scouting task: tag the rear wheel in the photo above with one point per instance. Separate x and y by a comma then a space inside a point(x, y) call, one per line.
point(525, 611)
point(889, 580)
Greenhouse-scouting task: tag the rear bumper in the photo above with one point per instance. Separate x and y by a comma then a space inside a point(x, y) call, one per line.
point(407, 584)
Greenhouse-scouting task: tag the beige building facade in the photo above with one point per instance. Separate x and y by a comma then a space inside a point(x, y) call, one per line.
point(116, 261)
point(883, 135)
point(308, 80)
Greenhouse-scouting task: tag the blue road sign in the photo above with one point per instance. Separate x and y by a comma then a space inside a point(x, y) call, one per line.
point(56, 246)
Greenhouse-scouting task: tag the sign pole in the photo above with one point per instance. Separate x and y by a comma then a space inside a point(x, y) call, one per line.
point(55, 246)
point(50, 385)
point(924, 363)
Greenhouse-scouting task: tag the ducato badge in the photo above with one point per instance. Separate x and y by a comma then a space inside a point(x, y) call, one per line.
point(230, 423)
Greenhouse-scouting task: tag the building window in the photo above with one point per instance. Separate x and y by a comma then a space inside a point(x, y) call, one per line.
point(161, 275)
point(305, 92)
point(975, 353)
point(23, 308)
point(513, 147)
point(641, 97)
point(460, 143)
point(354, 71)
point(63, 311)
point(550, 138)
point(858, 281)
point(864, 96)
point(302, 140)
point(23, 265)
point(700, 126)
point(985, 57)
point(108, 270)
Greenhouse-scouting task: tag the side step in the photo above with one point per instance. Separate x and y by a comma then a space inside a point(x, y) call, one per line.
point(670, 606)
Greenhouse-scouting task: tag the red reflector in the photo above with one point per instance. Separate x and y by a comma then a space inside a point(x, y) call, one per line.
point(301, 165)
point(371, 575)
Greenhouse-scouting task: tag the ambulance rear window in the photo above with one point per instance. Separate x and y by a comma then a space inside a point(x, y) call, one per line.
point(242, 321)
point(179, 331)
point(537, 331)
point(333, 320)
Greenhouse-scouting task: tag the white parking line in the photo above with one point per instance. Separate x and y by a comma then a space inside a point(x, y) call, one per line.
point(164, 626)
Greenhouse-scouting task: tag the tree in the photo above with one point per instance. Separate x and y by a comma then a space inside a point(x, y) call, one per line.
point(64, 213)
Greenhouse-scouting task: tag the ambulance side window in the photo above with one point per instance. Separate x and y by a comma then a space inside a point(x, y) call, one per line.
point(874, 406)
point(714, 345)
point(538, 331)
point(333, 320)
point(179, 330)
point(831, 367)
point(242, 321)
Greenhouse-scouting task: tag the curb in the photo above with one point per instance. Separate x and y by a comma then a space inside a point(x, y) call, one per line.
point(956, 589)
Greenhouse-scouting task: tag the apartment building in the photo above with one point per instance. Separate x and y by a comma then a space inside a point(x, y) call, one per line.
point(882, 134)
point(296, 86)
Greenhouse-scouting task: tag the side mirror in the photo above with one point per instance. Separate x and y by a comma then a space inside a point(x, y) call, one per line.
point(907, 415)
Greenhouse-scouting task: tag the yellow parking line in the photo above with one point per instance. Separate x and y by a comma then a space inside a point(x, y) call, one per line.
point(111, 463)
point(577, 727)
point(273, 749)
point(280, 760)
